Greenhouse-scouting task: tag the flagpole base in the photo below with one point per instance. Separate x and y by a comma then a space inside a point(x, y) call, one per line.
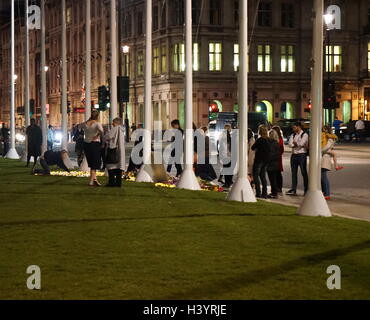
point(188, 181)
point(12, 154)
point(145, 174)
point(314, 205)
point(242, 191)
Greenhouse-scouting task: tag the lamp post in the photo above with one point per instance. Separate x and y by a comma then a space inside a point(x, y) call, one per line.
point(88, 61)
point(314, 203)
point(44, 68)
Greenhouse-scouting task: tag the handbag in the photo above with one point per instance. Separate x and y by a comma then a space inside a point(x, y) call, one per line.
point(113, 156)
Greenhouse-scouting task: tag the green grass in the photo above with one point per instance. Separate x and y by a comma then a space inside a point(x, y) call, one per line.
point(143, 242)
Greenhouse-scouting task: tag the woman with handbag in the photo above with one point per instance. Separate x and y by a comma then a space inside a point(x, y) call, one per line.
point(93, 135)
point(116, 157)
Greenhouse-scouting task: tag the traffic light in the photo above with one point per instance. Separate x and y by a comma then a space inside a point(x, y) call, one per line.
point(68, 106)
point(213, 111)
point(309, 108)
point(104, 98)
point(330, 97)
point(32, 107)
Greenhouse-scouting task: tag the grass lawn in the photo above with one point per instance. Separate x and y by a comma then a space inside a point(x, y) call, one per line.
point(143, 242)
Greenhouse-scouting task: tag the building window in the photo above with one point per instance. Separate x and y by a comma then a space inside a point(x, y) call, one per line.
point(215, 56)
point(140, 23)
point(368, 56)
point(236, 13)
point(179, 12)
point(164, 58)
point(127, 64)
point(333, 59)
point(140, 63)
point(264, 58)
point(155, 18)
point(287, 15)
point(215, 12)
point(127, 26)
point(196, 56)
point(265, 14)
point(178, 57)
point(179, 62)
point(69, 15)
point(236, 57)
point(287, 60)
point(196, 11)
point(156, 61)
point(163, 15)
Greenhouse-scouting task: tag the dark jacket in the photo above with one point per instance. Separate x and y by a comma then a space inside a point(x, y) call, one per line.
point(274, 156)
point(262, 150)
point(34, 136)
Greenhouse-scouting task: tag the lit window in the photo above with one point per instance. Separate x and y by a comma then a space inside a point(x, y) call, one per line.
point(156, 61)
point(179, 57)
point(264, 58)
point(287, 60)
point(140, 63)
point(196, 56)
point(215, 56)
point(333, 59)
point(164, 58)
point(368, 56)
point(69, 15)
point(236, 57)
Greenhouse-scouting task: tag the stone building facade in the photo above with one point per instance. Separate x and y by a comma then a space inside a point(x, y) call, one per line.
point(279, 58)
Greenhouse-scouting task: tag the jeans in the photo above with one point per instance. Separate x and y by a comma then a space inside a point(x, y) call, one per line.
point(259, 176)
point(299, 161)
point(325, 184)
point(273, 177)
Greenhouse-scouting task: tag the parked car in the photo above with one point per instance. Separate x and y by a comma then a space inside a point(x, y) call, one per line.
point(215, 127)
point(287, 124)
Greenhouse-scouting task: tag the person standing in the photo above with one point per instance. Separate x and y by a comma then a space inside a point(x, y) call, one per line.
point(51, 134)
point(326, 164)
point(175, 158)
point(299, 144)
point(226, 157)
point(279, 177)
point(92, 145)
point(273, 167)
point(34, 142)
point(78, 138)
point(251, 154)
point(337, 124)
point(261, 161)
point(360, 129)
point(204, 168)
point(5, 139)
point(115, 140)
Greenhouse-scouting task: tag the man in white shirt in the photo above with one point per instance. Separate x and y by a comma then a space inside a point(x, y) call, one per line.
point(360, 130)
point(299, 144)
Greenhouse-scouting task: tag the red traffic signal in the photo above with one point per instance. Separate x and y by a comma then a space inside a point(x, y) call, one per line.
point(214, 108)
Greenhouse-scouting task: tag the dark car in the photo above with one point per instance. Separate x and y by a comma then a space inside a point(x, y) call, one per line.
point(348, 131)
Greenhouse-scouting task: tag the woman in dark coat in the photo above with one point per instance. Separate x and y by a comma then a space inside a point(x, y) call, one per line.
point(261, 161)
point(203, 168)
point(273, 167)
point(34, 142)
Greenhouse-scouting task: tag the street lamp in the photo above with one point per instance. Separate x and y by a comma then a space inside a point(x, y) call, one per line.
point(329, 18)
point(125, 49)
point(46, 69)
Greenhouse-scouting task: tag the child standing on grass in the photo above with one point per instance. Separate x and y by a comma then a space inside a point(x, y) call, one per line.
point(325, 136)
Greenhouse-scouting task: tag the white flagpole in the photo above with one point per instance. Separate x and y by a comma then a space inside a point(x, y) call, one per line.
point(114, 61)
point(44, 120)
point(64, 79)
point(314, 203)
point(144, 174)
point(12, 153)
point(88, 61)
point(27, 110)
point(188, 179)
point(242, 190)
